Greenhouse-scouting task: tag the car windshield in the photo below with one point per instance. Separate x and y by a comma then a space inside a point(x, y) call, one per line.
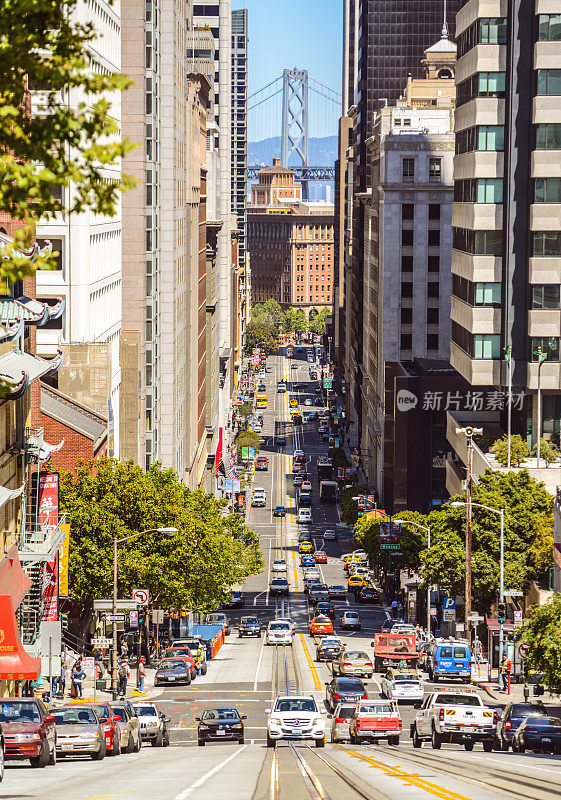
point(457, 700)
point(356, 654)
point(279, 626)
point(337, 588)
point(377, 708)
point(405, 677)
point(19, 712)
point(146, 711)
point(344, 712)
point(351, 615)
point(166, 665)
point(250, 621)
point(278, 582)
point(120, 711)
point(330, 642)
point(350, 686)
point(221, 714)
point(74, 716)
point(544, 721)
point(296, 704)
point(177, 651)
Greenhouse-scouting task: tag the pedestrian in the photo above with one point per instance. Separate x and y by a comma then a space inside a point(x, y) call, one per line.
point(394, 609)
point(54, 684)
point(503, 669)
point(78, 676)
point(141, 674)
point(124, 648)
point(124, 674)
point(199, 657)
point(62, 677)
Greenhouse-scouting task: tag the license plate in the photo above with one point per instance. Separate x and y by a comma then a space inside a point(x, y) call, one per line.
point(171, 678)
point(221, 733)
point(470, 729)
point(67, 747)
point(545, 739)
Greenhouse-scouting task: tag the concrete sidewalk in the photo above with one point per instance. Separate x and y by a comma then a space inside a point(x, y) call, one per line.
point(89, 693)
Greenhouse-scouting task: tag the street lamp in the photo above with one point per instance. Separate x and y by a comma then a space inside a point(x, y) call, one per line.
point(165, 532)
point(469, 432)
point(501, 513)
point(427, 529)
point(541, 358)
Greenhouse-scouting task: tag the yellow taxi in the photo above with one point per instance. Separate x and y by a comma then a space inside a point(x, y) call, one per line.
point(356, 582)
point(353, 560)
point(293, 402)
point(305, 547)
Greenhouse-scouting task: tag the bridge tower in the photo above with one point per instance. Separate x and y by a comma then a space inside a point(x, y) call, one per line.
point(294, 136)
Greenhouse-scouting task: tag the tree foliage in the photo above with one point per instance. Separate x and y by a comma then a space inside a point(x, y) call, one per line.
point(193, 569)
point(294, 321)
point(542, 632)
point(519, 450)
point(317, 323)
point(248, 439)
point(67, 144)
point(349, 507)
point(269, 312)
point(262, 334)
point(548, 452)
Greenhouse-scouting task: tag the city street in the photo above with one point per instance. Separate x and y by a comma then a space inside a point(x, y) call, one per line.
point(247, 675)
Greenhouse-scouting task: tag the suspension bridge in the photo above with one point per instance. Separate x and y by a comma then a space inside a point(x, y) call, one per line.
point(301, 108)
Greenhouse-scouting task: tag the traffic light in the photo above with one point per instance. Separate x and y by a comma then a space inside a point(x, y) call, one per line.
point(502, 613)
point(64, 622)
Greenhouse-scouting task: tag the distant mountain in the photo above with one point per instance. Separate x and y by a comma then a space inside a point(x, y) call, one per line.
point(322, 152)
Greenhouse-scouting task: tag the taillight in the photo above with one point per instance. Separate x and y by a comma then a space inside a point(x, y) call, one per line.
point(347, 664)
point(367, 663)
point(441, 715)
point(508, 725)
point(495, 717)
point(365, 696)
point(341, 719)
point(336, 697)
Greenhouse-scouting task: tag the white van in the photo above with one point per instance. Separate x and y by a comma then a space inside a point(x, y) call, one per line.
point(279, 631)
point(259, 497)
point(304, 516)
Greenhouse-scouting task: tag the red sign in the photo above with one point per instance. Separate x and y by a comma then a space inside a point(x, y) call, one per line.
point(47, 520)
point(50, 591)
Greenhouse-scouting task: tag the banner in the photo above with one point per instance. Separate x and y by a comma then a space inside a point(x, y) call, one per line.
point(63, 554)
point(47, 519)
point(50, 591)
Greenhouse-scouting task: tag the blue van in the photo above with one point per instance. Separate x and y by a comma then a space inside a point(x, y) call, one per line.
point(449, 659)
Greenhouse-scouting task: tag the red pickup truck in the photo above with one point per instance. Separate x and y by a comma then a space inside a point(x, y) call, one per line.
point(375, 720)
point(392, 648)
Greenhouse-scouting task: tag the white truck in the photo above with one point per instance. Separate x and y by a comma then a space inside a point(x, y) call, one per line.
point(454, 716)
point(259, 497)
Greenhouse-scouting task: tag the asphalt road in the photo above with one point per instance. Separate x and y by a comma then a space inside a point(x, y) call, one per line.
point(246, 675)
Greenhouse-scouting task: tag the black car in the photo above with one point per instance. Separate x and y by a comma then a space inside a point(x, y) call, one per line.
point(237, 600)
point(344, 690)
point(337, 592)
point(318, 593)
point(172, 670)
point(249, 626)
point(220, 724)
point(279, 587)
point(279, 511)
point(328, 649)
point(324, 607)
point(538, 734)
point(281, 441)
point(368, 595)
point(513, 715)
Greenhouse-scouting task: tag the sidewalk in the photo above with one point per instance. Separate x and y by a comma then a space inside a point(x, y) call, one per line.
point(493, 688)
point(103, 696)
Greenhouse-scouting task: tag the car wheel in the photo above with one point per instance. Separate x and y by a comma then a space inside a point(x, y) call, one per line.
point(201, 743)
point(116, 751)
point(52, 759)
point(159, 740)
point(42, 759)
point(100, 755)
point(203, 669)
point(488, 747)
point(514, 746)
point(393, 740)
point(130, 745)
point(271, 742)
point(138, 744)
point(417, 743)
point(241, 741)
point(468, 746)
point(320, 742)
point(436, 740)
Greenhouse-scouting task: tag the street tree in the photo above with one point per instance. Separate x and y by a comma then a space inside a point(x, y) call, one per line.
point(44, 45)
point(269, 312)
point(519, 450)
point(548, 452)
point(542, 633)
point(192, 570)
point(294, 321)
point(317, 323)
point(248, 439)
point(263, 335)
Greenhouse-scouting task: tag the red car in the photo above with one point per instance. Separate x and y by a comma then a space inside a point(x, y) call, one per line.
point(111, 728)
point(320, 557)
point(320, 625)
point(375, 720)
point(262, 464)
point(29, 730)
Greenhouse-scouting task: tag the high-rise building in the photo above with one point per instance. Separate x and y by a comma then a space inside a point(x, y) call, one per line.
point(88, 273)
point(506, 258)
point(239, 127)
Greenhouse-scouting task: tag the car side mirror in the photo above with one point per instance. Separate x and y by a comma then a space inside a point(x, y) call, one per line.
point(50, 718)
point(417, 705)
point(372, 644)
point(118, 718)
point(167, 719)
point(197, 719)
point(244, 716)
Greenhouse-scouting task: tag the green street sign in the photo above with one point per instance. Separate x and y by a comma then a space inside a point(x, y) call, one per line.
point(384, 546)
point(328, 383)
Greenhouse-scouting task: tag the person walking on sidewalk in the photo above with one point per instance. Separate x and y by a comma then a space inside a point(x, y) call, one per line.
point(503, 669)
point(394, 608)
point(124, 675)
point(62, 682)
point(141, 674)
point(78, 676)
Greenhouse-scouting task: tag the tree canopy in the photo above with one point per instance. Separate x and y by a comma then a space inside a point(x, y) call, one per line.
point(66, 144)
point(269, 312)
point(263, 335)
point(193, 569)
point(317, 323)
point(294, 321)
point(542, 633)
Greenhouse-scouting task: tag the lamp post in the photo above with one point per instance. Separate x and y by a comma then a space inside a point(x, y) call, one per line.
point(541, 358)
point(469, 433)
point(508, 359)
point(501, 512)
point(427, 529)
point(165, 531)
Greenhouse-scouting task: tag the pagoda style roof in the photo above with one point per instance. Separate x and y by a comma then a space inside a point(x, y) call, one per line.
point(18, 370)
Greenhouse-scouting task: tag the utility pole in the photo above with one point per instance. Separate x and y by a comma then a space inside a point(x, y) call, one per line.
point(541, 358)
point(508, 359)
point(469, 433)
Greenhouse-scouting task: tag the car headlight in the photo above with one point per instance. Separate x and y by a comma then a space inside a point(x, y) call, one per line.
point(89, 735)
point(27, 737)
point(276, 720)
point(316, 721)
point(203, 727)
point(239, 725)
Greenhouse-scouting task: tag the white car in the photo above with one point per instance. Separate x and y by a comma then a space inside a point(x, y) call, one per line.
point(402, 686)
point(259, 498)
point(311, 572)
point(330, 535)
point(279, 631)
point(362, 554)
point(304, 516)
point(296, 717)
point(306, 487)
point(308, 401)
point(279, 565)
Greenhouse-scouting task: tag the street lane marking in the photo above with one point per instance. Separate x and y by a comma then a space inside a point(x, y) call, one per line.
point(259, 664)
point(315, 676)
point(204, 778)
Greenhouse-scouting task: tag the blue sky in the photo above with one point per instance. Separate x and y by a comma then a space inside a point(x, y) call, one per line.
point(294, 33)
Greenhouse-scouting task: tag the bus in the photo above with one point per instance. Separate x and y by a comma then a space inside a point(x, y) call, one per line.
point(261, 401)
point(289, 351)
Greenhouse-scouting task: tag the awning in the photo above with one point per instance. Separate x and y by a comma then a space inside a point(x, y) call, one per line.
point(15, 663)
point(495, 626)
point(13, 579)
point(18, 370)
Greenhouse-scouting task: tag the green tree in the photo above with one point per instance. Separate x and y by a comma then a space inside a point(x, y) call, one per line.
point(269, 312)
point(542, 633)
point(548, 452)
point(294, 321)
point(349, 506)
point(193, 570)
point(248, 439)
point(263, 335)
point(317, 323)
point(540, 554)
point(519, 450)
point(44, 45)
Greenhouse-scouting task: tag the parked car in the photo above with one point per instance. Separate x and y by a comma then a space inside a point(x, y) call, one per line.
point(218, 619)
point(79, 732)
point(512, 717)
point(540, 734)
point(375, 720)
point(153, 724)
point(344, 690)
point(131, 741)
point(29, 731)
point(350, 620)
point(340, 721)
point(220, 725)
point(353, 662)
point(111, 728)
point(249, 626)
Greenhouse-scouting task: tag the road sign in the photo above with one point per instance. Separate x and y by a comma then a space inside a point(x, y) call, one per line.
point(518, 617)
point(101, 641)
point(449, 602)
point(390, 546)
point(88, 665)
point(114, 617)
point(133, 619)
point(449, 615)
point(140, 597)
point(328, 383)
point(475, 618)
point(523, 649)
point(514, 593)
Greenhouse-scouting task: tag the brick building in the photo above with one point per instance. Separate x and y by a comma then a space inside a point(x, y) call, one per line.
point(290, 242)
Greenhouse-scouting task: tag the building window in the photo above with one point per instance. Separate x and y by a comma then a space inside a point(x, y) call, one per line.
point(407, 263)
point(547, 190)
point(407, 211)
point(549, 81)
point(548, 345)
point(482, 137)
point(408, 169)
point(434, 264)
point(485, 243)
point(406, 342)
point(487, 30)
point(434, 238)
point(407, 238)
point(545, 296)
point(433, 289)
point(547, 243)
point(434, 211)
point(548, 136)
point(487, 294)
point(57, 247)
point(406, 289)
point(486, 346)
point(549, 27)
point(482, 84)
point(435, 170)
point(432, 316)
point(479, 190)
point(432, 341)
point(406, 316)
